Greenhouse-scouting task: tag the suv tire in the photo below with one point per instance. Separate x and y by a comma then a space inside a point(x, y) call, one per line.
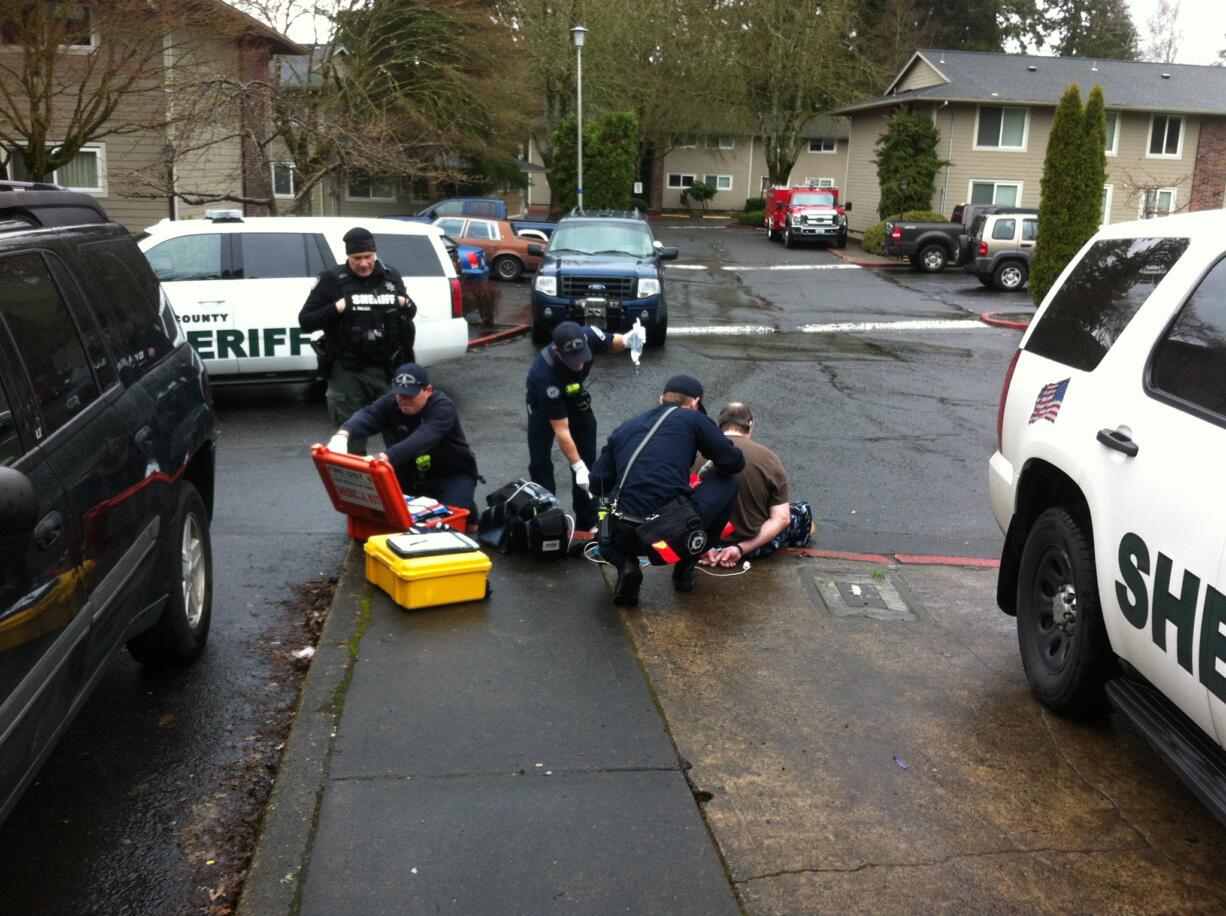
point(932, 259)
point(507, 268)
point(540, 332)
point(1010, 275)
point(657, 333)
point(1060, 628)
point(186, 572)
point(841, 241)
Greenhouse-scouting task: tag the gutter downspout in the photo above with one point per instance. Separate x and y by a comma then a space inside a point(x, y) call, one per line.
point(749, 192)
point(948, 158)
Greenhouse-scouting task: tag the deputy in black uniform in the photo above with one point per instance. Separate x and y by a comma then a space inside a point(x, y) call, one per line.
point(659, 479)
point(560, 408)
point(425, 443)
point(367, 319)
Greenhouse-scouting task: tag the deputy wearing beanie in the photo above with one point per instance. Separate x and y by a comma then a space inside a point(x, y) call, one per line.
point(658, 481)
point(560, 408)
point(367, 320)
point(425, 443)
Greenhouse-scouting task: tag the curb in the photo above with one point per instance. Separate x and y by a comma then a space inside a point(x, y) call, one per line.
point(273, 883)
point(879, 264)
point(505, 334)
point(997, 322)
point(903, 559)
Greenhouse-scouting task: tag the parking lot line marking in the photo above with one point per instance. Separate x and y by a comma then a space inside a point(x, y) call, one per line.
point(687, 266)
point(726, 330)
point(790, 267)
point(935, 324)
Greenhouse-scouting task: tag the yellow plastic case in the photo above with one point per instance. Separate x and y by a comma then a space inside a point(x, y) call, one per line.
point(445, 567)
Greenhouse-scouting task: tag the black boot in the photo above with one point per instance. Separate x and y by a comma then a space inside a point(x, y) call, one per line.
point(683, 575)
point(629, 578)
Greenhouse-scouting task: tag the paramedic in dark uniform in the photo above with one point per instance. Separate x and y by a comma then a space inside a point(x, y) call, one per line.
point(661, 474)
point(425, 444)
point(367, 320)
point(560, 408)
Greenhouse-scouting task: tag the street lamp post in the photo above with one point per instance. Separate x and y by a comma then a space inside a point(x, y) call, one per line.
point(578, 33)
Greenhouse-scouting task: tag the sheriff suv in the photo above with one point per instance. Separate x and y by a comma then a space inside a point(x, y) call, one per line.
point(1108, 483)
point(605, 269)
point(106, 469)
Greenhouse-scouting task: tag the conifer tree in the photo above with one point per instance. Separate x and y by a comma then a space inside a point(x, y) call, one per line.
point(1060, 226)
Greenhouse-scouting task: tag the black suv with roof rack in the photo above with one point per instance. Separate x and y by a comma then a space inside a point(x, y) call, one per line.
point(605, 268)
point(107, 440)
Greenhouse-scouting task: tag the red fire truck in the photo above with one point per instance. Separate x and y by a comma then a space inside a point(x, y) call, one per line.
point(805, 213)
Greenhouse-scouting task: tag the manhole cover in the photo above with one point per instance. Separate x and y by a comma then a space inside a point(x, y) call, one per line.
point(851, 594)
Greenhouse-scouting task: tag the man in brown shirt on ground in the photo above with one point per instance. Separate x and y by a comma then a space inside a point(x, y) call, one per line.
point(762, 514)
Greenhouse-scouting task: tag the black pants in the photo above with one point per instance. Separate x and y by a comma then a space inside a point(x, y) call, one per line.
point(540, 457)
point(712, 500)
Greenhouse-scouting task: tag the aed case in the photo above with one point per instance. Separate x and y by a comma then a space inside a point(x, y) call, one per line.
point(425, 567)
point(367, 491)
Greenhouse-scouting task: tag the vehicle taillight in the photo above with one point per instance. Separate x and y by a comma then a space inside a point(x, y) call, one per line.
point(1004, 394)
point(457, 303)
point(472, 260)
point(897, 233)
point(983, 249)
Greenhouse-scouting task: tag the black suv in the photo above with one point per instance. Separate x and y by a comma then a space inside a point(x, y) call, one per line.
point(106, 469)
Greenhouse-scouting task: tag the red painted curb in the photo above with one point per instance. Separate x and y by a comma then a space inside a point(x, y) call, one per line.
point(837, 555)
point(909, 559)
point(990, 318)
point(926, 560)
point(504, 334)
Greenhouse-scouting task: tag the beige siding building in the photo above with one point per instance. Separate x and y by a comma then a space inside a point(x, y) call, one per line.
point(1166, 126)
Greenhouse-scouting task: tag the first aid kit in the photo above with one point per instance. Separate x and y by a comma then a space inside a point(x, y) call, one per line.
point(367, 492)
point(427, 567)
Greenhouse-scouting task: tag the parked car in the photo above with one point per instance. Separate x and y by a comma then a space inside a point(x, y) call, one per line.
point(508, 254)
point(107, 441)
point(806, 214)
point(931, 246)
point(603, 268)
point(1107, 482)
point(1001, 246)
point(469, 262)
point(238, 283)
point(484, 207)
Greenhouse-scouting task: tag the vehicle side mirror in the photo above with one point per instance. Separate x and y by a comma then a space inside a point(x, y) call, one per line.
point(667, 253)
point(18, 503)
point(535, 249)
point(847, 206)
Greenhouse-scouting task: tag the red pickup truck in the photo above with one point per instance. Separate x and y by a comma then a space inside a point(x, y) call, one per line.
point(805, 213)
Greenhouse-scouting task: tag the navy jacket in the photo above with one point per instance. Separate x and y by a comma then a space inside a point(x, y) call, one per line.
point(662, 470)
point(435, 432)
point(549, 379)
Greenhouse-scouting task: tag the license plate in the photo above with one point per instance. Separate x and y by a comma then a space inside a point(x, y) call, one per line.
point(594, 308)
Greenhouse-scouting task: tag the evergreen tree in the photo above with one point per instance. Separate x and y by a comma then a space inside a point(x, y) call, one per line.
point(907, 163)
point(610, 160)
point(1093, 28)
point(1093, 170)
point(1067, 194)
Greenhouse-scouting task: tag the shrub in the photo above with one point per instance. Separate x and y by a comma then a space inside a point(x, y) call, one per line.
point(482, 299)
point(752, 218)
point(874, 238)
point(755, 203)
point(907, 163)
point(699, 191)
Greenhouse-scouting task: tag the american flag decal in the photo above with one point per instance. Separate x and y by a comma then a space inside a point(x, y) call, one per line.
point(1047, 404)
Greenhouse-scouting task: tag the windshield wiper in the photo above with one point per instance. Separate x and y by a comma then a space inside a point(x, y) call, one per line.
point(632, 254)
point(567, 250)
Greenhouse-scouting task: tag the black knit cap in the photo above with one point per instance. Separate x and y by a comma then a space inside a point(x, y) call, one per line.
point(358, 240)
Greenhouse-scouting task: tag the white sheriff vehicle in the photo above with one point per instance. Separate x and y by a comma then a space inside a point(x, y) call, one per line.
point(237, 283)
point(1109, 482)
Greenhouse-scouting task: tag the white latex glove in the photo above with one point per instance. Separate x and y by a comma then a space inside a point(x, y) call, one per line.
point(634, 339)
point(340, 306)
point(338, 443)
point(582, 477)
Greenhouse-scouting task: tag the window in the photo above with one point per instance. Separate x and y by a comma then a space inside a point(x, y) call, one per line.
point(1165, 137)
point(820, 182)
point(70, 26)
point(686, 141)
point(676, 180)
point(1001, 128)
point(490, 208)
point(1189, 363)
point(719, 182)
point(83, 173)
point(1104, 217)
point(131, 323)
point(725, 142)
point(1004, 229)
point(480, 229)
point(823, 145)
point(1030, 230)
point(813, 199)
point(412, 255)
point(10, 441)
point(1113, 133)
point(1002, 193)
point(1157, 202)
point(283, 179)
point(269, 255)
point(452, 226)
point(189, 257)
point(363, 188)
point(450, 208)
point(51, 345)
point(1099, 297)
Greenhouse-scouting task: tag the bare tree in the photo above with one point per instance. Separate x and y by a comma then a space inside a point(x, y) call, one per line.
point(1165, 36)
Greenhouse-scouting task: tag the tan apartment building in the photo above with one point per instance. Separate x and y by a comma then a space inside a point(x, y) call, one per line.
point(1166, 131)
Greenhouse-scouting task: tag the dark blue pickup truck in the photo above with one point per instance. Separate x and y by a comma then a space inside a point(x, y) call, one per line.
point(605, 270)
point(487, 207)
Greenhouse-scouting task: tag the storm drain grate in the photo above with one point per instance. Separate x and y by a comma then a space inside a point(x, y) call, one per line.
point(850, 594)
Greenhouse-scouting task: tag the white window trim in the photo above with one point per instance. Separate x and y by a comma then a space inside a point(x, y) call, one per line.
point(1109, 192)
point(1149, 137)
point(489, 224)
point(726, 142)
point(824, 152)
point(293, 180)
point(100, 150)
point(1114, 148)
point(970, 186)
point(371, 198)
point(669, 176)
point(1174, 202)
point(687, 142)
point(1003, 149)
point(717, 180)
point(821, 182)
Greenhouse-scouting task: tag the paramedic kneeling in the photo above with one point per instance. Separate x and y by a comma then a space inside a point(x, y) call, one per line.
point(645, 471)
point(425, 443)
